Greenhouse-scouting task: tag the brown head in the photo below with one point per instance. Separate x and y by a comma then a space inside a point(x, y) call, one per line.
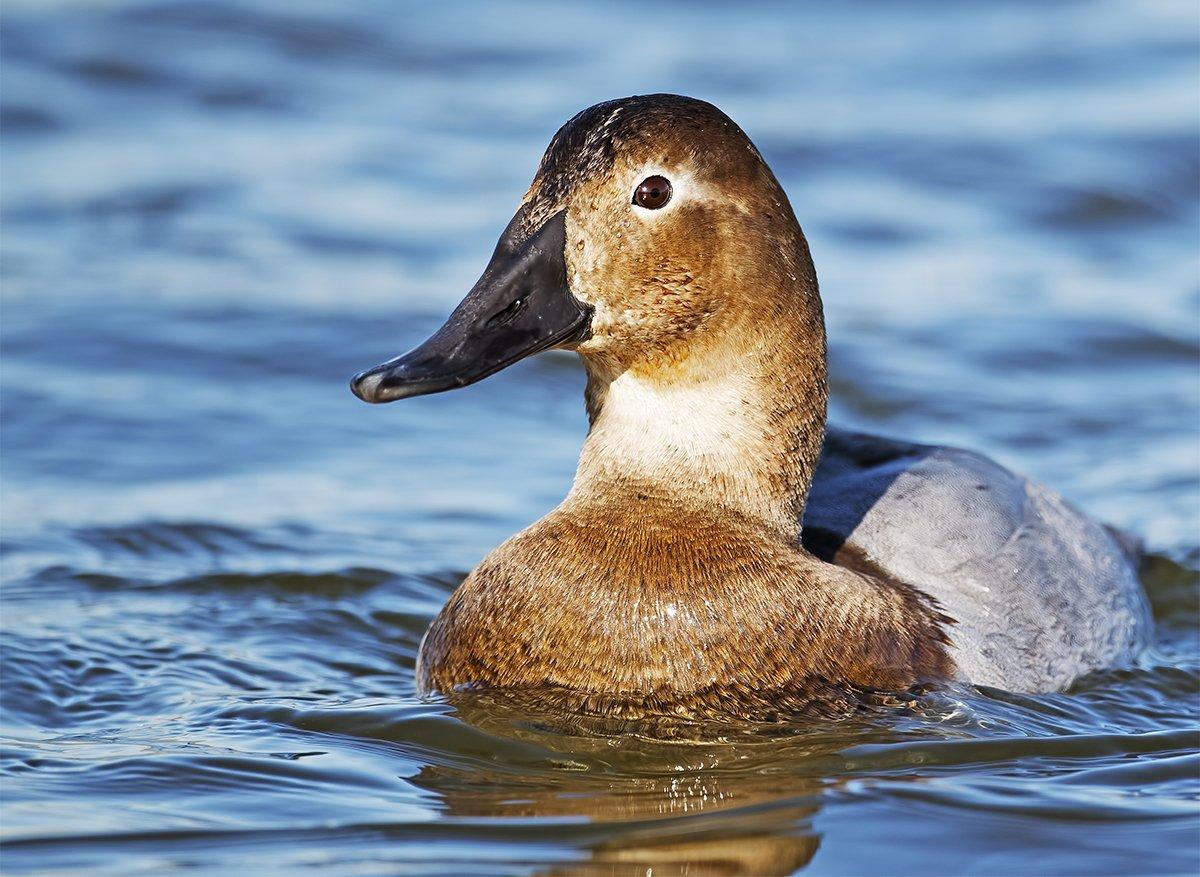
point(655, 242)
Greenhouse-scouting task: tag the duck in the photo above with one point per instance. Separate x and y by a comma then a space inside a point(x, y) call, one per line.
point(722, 550)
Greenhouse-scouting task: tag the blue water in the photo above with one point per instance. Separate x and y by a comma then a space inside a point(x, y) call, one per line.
point(218, 564)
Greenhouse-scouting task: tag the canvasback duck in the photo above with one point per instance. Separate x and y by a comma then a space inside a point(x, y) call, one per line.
point(719, 551)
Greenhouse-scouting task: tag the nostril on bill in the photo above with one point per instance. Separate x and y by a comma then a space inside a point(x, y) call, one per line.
point(504, 315)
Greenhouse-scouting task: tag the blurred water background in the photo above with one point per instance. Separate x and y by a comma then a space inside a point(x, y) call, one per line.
point(218, 564)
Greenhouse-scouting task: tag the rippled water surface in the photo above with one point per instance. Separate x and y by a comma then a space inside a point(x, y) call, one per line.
point(218, 564)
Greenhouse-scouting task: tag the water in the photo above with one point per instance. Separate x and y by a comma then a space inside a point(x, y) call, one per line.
point(218, 564)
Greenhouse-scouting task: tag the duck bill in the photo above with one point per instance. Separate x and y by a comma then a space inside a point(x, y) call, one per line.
point(520, 306)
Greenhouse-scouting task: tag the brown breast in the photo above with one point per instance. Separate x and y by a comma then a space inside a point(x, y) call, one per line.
point(655, 608)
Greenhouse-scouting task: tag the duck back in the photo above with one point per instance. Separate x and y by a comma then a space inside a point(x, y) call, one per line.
point(1042, 593)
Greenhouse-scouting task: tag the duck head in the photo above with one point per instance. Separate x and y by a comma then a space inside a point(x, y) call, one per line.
point(655, 242)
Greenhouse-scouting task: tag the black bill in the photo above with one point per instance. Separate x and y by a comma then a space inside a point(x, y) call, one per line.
point(520, 306)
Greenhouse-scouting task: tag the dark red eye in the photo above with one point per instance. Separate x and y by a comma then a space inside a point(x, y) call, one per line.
point(652, 193)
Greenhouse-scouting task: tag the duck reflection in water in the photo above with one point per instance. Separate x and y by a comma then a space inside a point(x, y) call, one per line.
point(659, 795)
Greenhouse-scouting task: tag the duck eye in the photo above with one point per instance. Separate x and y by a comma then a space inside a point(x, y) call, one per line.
point(652, 193)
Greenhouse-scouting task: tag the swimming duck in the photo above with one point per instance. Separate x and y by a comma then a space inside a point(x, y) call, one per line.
point(719, 550)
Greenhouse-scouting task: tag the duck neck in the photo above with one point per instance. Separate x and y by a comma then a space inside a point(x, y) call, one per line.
point(736, 427)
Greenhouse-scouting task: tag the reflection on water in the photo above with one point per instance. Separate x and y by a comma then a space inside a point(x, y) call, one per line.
point(218, 565)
